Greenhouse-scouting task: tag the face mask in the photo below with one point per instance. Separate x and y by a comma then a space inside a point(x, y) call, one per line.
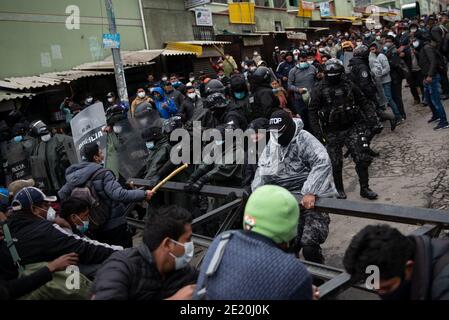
point(346, 34)
point(150, 145)
point(377, 38)
point(401, 293)
point(191, 79)
point(117, 129)
point(83, 228)
point(239, 95)
point(221, 77)
point(358, 43)
point(422, 26)
point(46, 137)
point(183, 261)
point(413, 30)
point(110, 100)
point(303, 65)
point(415, 44)
point(191, 95)
point(51, 214)
point(310, 61)
point(89, 100)
point(143, 122)
point(275, 90)
point(141, 95)
point(164, 79)
point(18, 138)
point(252, 68)
point(367, 35)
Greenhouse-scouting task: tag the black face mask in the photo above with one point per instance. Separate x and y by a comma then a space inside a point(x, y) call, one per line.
point(288, 134)
point(401, 293)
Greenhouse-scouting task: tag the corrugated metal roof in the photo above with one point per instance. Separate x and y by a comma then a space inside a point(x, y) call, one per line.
point(205, 43)
point(129, 59)
point(47, 79)
point(10, 95)
point(169, 52)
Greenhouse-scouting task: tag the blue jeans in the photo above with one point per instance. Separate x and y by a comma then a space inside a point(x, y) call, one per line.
point(391, 103)
point(432, 94)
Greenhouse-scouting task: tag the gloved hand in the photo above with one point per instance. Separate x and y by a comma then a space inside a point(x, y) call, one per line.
point(188, 186)
point(196, 187)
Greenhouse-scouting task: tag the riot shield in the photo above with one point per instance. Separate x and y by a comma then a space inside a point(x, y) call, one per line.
point(18, 161)
point(131, 149)
point(87, 127)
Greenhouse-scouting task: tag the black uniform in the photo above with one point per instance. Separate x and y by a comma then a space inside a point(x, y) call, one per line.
point(340, 115)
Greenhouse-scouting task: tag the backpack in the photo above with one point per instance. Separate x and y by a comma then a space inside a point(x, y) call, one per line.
point(99, 212)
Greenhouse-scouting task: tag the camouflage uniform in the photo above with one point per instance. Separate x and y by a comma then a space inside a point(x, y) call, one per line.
point(302, 167)
point(340, 116)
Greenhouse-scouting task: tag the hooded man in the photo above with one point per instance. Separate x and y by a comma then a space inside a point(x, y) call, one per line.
point(284, 68)
point(265, 102)
point(240, 94)
point(296, 160)
point(164, 105)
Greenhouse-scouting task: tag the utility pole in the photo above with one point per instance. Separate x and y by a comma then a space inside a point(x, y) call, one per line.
point(117, 59)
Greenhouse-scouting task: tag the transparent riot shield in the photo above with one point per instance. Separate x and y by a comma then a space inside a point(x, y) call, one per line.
point(131, 149)
point(87, 127)
point(18, 161)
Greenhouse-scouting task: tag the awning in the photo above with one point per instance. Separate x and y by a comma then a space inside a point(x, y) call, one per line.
point(168, 52)
point(47, 79)
point(205, 43)
point(129, 58)
point(315, 29)
point(11, 95)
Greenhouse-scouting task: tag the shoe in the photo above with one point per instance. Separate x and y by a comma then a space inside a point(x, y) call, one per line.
point(367, 193)
point(393, 124)
point(432, 120)
point(373, 153)
point(444, 126)
point(399, 122)
point(341, 194)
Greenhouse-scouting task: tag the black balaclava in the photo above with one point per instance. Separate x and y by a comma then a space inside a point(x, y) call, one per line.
point(280, 120)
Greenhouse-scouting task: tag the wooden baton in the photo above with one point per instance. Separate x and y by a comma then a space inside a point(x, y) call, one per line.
point(171, 175)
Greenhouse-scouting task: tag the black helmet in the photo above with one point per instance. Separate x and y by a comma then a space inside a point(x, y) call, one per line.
point(334, 70)
point(216, 101)
point(214, 86)
point(114, 114)
point(259, 123)
point(38, 128)
point(361, 51)
point(261, 75)
point(152, 134)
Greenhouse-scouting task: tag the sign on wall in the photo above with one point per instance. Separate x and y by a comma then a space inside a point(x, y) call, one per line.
point(189, 4)
point(203, 17)
point(306, 5)
point(111, 40)
point(325, 9)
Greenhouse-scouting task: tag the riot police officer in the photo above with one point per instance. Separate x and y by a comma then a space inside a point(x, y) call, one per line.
point(265, 102)
point(340, 116)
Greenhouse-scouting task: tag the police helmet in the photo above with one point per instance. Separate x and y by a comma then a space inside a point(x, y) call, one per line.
point(261, 75)
point(333, 70)
point(214, 86)
point(38, 128)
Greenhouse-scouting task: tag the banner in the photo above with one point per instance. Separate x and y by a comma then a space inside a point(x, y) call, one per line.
point(203, 17)
point(325, 9)
point(87, 127)
point(306, 5)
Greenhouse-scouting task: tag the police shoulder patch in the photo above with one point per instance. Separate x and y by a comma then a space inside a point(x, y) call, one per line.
point(364, 74)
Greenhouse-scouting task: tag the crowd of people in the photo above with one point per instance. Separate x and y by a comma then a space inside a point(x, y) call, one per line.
point(319, 99)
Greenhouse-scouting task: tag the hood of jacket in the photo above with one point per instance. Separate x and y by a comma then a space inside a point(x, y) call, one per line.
point(161, 92)
point(79, 173)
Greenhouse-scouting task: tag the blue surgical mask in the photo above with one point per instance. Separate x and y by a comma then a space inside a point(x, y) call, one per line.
point(150, 145)
point(276, 90)
point(303, 65)
point(83, 228)
point(18, 138)
point(184, 260)
point(239, 95)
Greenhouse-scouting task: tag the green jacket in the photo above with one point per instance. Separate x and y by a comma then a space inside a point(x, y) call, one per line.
point(157, 157)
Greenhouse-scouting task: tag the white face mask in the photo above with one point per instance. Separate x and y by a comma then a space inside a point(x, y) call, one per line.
point(117, 129)
point(413, 30)
point(150, 145)
point(141, 94)
point(252, 68)
point(310, 61)
point(184, 260)
point(359, 43)
point(377, 38)
point(191, 79)
point(191, 95)
point(415, 44)
point(164, 79)
point(89, 100)
point(51, 214)
point(46, 137)
point(110, 100)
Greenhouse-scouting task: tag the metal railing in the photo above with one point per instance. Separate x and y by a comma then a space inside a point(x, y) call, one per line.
point(430, 221)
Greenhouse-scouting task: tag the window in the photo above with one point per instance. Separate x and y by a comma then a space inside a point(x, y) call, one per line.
point(293, 3)
point(203, 33)
point(280, 3)
point(278, 26)
point(262, 3)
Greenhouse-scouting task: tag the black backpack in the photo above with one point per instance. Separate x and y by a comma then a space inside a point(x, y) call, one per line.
point(99, 212)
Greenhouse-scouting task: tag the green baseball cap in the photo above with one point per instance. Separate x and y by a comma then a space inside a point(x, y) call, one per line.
point(272, 211)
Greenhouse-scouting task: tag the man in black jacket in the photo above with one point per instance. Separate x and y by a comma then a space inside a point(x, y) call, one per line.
point(38, 239)
point(431, 62)
point(265, 102)
point(410, 268)
point(158, 268)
